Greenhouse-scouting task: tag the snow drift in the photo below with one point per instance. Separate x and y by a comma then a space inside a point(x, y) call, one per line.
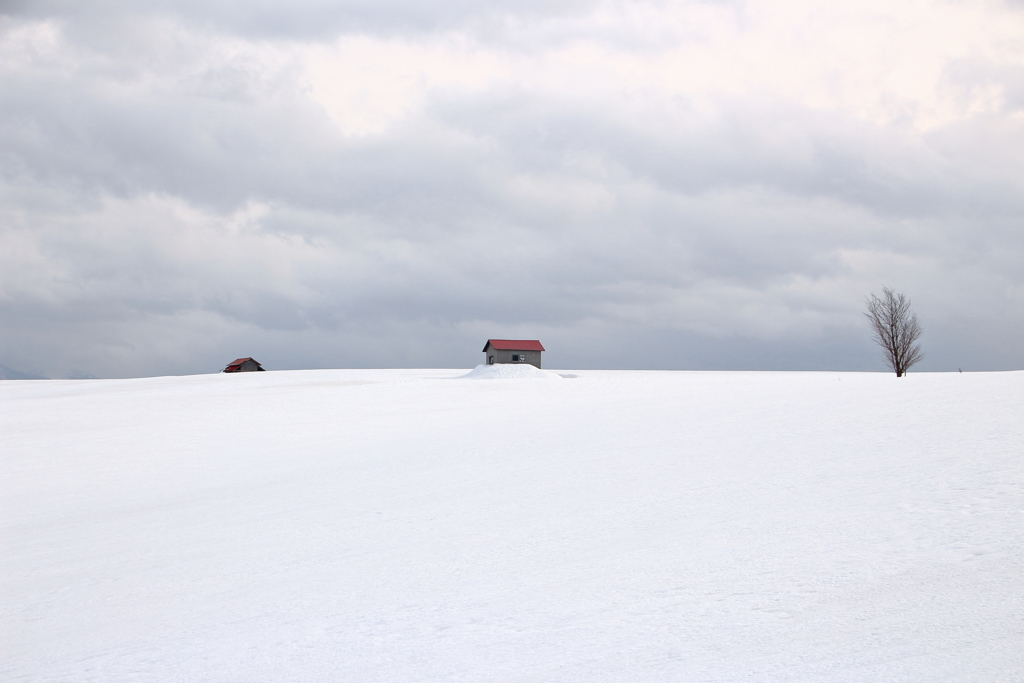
point(386, 525)
point(508, 371)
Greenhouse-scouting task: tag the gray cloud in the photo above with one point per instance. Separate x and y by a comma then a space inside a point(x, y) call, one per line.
point(304, 19)
point(180, 196)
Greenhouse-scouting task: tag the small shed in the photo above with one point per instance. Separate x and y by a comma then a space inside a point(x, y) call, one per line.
point(513, 351)
point(243, 365)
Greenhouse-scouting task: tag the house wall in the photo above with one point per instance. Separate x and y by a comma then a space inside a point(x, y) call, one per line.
point(249, 366)
point(532, 357)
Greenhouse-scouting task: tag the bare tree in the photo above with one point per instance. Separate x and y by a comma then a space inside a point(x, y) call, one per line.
point(894, 327)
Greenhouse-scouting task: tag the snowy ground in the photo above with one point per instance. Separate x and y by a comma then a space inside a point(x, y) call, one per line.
point(401, 525)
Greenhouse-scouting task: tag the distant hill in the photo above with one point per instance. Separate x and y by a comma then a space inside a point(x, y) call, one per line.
point(8, 373)
point(82, 375)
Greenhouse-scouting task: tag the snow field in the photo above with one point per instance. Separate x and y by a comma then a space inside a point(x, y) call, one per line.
point(508, 371)
point(396, 525)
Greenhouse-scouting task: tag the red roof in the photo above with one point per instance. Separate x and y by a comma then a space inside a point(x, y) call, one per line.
point(236, 364)
point(514, 345)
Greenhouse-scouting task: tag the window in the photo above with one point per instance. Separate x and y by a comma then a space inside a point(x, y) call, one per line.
point(490, 360)
point(518, 357)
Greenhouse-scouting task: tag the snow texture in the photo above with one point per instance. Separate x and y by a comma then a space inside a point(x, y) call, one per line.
point(393, 525)
point(509, 371)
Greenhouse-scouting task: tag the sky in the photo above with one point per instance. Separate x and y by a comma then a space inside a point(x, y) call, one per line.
point(645, 185)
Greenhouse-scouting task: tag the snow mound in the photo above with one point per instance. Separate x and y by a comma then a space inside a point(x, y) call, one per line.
point(506, 371)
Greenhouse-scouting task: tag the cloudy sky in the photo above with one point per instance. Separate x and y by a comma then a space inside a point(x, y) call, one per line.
point(388, 183)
